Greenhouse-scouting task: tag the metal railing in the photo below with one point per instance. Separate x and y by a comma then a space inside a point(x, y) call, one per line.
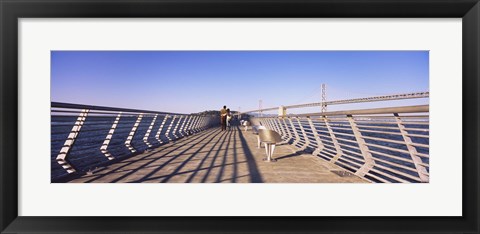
point(386, 145)
point(85, 136)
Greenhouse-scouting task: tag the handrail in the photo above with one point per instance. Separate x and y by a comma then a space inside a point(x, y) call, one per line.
point(108, 133)
point(105, 108)
point(390, 146)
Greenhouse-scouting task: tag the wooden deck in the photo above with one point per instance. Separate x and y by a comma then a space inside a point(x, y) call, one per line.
point(215, 156)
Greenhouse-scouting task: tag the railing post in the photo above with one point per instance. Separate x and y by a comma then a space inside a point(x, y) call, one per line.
point(280, 127)
point(176, 127)
point(184, 125)
point(149, 130)
point(62, 156)
point(132, 134)
point(194, 124)
point(197, 123)
point(289, 133)
point(417, 161)
point(334, 140)
point(307, 141)
point(157, 136)
point(188, 128)
point(317, 137)
point(196, 127)
point(274, 126)
point(190, 124)
point(369, 162)
point(297, 137)
point(170, 128)
point(108, 138)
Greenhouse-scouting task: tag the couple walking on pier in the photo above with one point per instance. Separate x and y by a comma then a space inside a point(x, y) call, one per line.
point(225, 118)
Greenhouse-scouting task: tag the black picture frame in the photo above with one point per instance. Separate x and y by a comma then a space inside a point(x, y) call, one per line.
point(11, 11)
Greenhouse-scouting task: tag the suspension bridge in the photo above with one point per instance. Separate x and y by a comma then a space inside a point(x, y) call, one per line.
point(98, 144)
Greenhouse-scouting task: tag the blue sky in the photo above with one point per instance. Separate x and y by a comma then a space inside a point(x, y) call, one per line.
point(193, 81)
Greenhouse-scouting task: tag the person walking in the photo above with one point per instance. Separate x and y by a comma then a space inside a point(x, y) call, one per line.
point(229, 118)
point(223, 118)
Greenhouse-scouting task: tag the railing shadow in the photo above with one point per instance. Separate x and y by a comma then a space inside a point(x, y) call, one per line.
point(145, 178)
point(219, 151)
point(171, 147)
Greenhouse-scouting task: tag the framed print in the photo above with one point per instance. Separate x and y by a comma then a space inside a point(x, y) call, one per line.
point(257, 116)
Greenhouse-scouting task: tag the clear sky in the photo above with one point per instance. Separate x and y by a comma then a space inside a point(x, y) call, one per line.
point(194, 81)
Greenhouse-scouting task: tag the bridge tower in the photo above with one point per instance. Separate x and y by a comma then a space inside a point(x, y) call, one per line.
point(324, 98)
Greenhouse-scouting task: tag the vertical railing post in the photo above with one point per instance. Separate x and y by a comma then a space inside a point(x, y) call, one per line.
point(289, 133)
point(189, 123)
point(192, 125)
point(157, 136)
point(197, 124)
point(307, 140)
point(62, 156)
point(369, 162)
point(275, 124)
point(294, 130)
point(187, 128)
point(108, 138)
point(132, 134)
point(149, 130)
point(176, 127)
point(282, 132)
point(272, 124)
point(182, 128)
point(338, 149)
point(167, 133)
point(320, 145)
point(417, 161)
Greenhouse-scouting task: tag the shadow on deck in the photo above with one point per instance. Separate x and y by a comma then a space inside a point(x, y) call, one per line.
point(215, 156)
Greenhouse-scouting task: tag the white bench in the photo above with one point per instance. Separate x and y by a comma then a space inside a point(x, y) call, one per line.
point(269, 138)
point(255, 130)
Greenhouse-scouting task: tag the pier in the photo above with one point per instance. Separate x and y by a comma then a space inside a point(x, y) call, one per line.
point(95, 144)
point(215, 156)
